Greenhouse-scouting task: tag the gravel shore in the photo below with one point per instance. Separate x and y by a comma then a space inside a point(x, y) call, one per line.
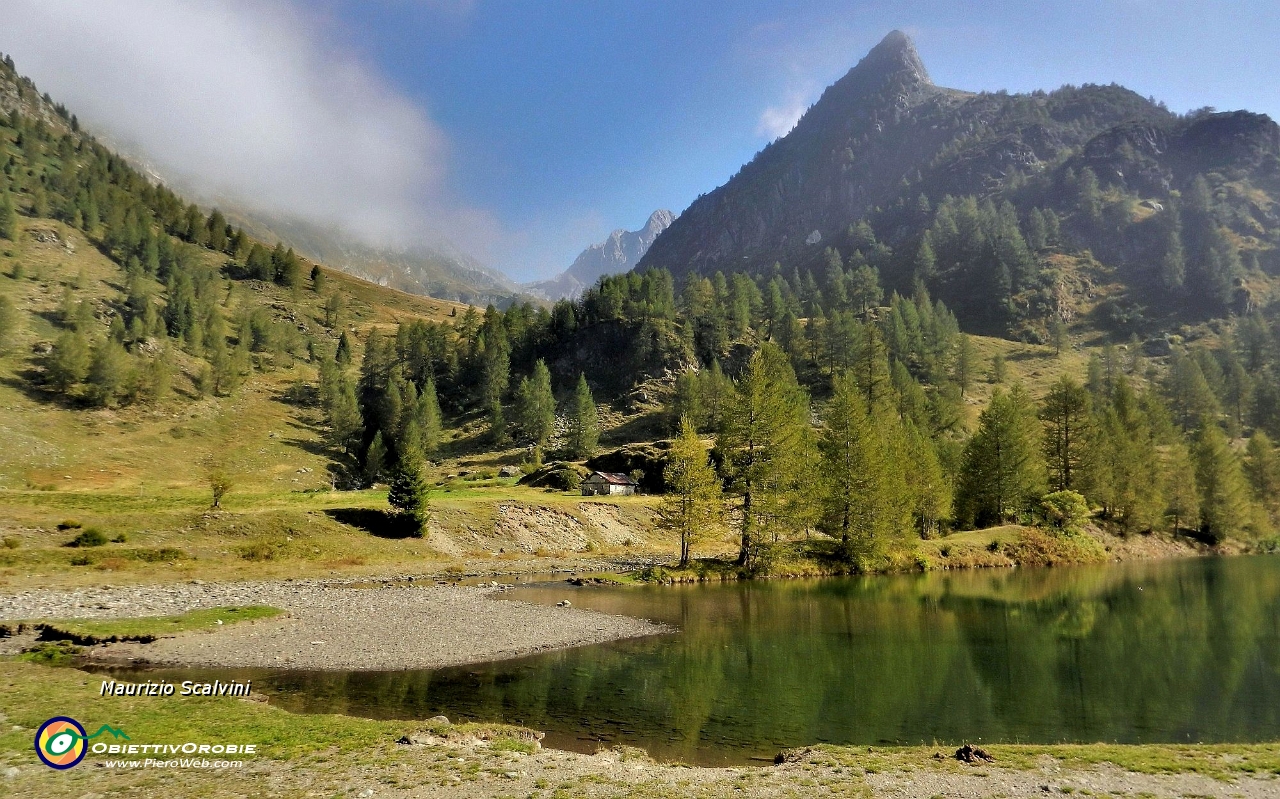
point(334, 627)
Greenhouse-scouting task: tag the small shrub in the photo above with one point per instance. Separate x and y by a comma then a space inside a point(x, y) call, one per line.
point(1065, 511)
point(11, 543)
point(82, 560)
point(89, 537)
point(259, 551)
point(53, 653)
point(69, 524)
point(120, 539)
point(161, 555)
point(111, 564)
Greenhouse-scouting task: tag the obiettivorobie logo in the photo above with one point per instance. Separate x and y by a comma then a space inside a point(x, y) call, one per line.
point(61, 742)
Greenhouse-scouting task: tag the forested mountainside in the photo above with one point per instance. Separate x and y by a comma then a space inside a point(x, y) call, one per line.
point(118, 295)
point(1014, 209)
point(439, 271)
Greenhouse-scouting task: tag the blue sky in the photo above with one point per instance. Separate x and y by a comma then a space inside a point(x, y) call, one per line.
point(527, 131)
point(569, 119)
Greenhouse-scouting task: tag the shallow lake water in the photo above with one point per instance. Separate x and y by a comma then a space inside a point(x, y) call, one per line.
point(1169, 651)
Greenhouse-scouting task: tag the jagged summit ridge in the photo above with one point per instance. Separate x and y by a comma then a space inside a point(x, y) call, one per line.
point(621, 251)
point(896, 55)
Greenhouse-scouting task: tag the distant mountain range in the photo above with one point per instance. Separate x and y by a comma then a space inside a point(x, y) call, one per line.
point(616, 254)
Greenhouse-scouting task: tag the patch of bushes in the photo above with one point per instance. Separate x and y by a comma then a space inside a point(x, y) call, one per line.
point(1035, 547)
point(558, 475)
point(89, 537)
point(159, 555)
point(52, 653)
point(258, 551)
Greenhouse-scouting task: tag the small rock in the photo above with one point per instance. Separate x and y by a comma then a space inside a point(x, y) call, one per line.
point(317, 643)
point(511, 775)
point(12, 772)
point(366, 793)
point(564, 603)
point(438, 720)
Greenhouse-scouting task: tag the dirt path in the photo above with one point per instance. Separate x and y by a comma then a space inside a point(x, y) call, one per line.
point(334, 628)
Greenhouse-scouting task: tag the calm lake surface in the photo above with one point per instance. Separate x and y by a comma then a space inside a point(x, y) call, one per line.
point(1169, 651)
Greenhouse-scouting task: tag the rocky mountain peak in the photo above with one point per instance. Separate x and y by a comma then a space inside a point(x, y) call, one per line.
point(895, 56)
point(659, 221)
point(621, 251)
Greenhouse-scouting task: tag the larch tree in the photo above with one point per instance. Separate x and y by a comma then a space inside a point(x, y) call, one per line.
point(584, 421)
point(767, 442)
point(8, 216)
point(865, 502)
point(1224, 494)
point(428, 417)
point(536, 405)
point(693, 507)
point(1262, 467)
point(68, 362)
point(1003, 471)
point(375, 460)
point(1066, 416)
point(1182, 499)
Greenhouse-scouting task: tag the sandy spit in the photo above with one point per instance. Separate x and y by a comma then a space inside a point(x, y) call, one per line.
point(334, 627)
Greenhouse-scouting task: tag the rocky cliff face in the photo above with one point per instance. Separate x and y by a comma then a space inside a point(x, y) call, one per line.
point(616, 254)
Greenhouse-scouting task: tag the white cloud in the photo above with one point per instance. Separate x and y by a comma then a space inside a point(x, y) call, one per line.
point(250, 100)
point(777, 121)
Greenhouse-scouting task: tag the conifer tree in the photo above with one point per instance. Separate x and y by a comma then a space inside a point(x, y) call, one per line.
point(584, 421)
point(1224, 495)
point(1173, 264)
point(108, 372)
point(865, 503)
point(686, 400)
point(536, 405)
point(375, 460)
point(1003, 471)
point(928, 485)
point(692, 508)
point(965, 364)
point(68, 363)
point(1058, 334)
point(8, 216)
point(409, 495)
point(343, 355)
point(428, 416)
point(1262, 466)
point(766, 440)
point(345, 421)
point(1066, 416)
point(1182, 499)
